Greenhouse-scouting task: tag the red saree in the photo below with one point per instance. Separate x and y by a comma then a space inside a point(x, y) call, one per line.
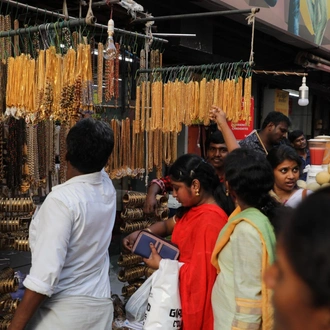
point(196, 234)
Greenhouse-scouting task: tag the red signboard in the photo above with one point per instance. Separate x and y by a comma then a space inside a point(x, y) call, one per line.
point(241, 129)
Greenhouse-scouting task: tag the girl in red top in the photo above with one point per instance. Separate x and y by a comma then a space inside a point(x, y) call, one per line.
point(194, 230)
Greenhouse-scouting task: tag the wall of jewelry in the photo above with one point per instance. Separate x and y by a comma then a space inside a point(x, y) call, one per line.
point(133, 271)
point(15, 216)
point(9, 283)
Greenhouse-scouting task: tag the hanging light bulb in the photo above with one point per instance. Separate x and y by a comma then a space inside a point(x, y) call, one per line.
point(303, 93)
point(110, 48)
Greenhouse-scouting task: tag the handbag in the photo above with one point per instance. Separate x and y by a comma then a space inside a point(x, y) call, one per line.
point(164, 304)
point(165, 249)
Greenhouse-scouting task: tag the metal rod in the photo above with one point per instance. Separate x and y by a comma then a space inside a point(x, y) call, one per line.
point(47, 26)
point(318, 59)
point(278, 73)
point(175, 34)
point(189, 67)
point(54, 14)
point(207, 14)
point(131, 33)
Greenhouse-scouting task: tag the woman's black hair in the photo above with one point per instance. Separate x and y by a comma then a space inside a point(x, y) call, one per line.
point(307, 245)
point(189, 167)
point(251, 177)
point(278, 155)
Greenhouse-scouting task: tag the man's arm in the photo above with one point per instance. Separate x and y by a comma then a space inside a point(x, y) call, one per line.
point(25, 310)
point(219, 116)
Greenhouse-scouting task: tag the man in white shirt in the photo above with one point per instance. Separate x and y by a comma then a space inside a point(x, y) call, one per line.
point(68, 285)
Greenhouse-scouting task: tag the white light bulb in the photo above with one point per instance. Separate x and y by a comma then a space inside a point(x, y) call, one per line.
point(110, 49)
point(303, 93)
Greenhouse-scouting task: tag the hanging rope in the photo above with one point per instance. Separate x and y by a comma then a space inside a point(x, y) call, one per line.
point(251, 21)
point(90, 18)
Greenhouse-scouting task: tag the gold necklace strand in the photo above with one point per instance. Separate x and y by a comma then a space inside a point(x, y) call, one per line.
point(165, 109)
point(8, 39)
point(172, 108)
point(168, 153)
point(100, 73)
point(115, 151)
point(143, 107)
point(51, 146)
point(57, 87)
point(155, 146)
point(153, 105)
point(124, 142)
point(42, 150)
point(119, 151)
point(160, 105)
point(2, 40)
point(150, 150)
point(138, 152)
point(208, 102)
point(35, 156)
point(232, 98)
point(216, 92)
point(29, 135)
point(177, 98)
point(114, 155)
point(247, 99)
point(182, 109)
point(202, 99)
point(132, 152)
point(107, 96)
point(16, 38)
point(196, 101)
point(239, 90)
point(175, 147)
point(147, 117)
point(186, 103)
point(225, 97)
point(160, 154)
point(191, 101)
point(137, 109)
point(128, 147)
point(116, 74)
point(142, 167)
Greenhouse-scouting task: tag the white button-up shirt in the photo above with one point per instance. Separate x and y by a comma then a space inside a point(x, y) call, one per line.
point(69, 238)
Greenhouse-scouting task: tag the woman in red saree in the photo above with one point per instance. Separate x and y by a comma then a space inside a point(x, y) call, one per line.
point(194, 230)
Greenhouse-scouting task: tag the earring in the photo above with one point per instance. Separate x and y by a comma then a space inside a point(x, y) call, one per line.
point(227, 192)
point(197, 193)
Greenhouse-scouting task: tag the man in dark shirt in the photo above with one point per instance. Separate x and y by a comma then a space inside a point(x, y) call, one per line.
point(299, 143)
point(273, 132)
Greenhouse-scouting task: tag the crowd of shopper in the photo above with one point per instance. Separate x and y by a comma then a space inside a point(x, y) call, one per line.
point(254, 246)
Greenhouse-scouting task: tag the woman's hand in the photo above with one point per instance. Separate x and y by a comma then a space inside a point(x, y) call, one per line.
point(218, 115)
point(150, 204)
point(129, 240)
point(155, 258)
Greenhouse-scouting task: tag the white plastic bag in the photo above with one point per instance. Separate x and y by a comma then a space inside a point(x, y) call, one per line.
point(164, 304)
point(136, 305)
